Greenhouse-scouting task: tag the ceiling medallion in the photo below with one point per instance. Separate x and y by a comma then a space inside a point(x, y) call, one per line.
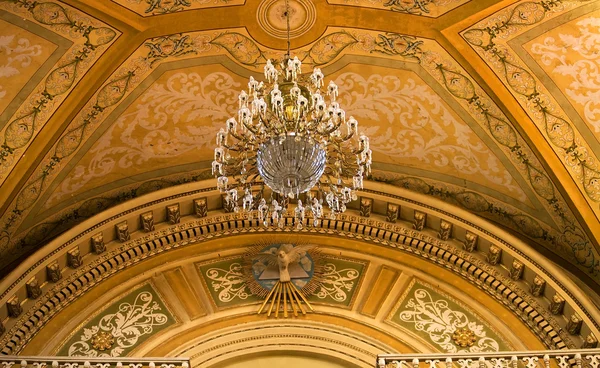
point(289, 138)
point(271, 16)
point(103, 341)
point(464, 337)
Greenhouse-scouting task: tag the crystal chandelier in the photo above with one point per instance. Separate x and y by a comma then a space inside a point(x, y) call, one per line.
point(289, 137)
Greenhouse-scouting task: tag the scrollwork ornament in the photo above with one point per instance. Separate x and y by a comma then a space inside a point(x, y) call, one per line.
point(129, 323)
point(465, 363)
point(594, 360)
point(229, 283)
point(449, 328)
point(337, 284)
point(531, 362)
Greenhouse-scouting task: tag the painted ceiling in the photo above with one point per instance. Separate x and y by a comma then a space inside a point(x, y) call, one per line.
point(491, 105)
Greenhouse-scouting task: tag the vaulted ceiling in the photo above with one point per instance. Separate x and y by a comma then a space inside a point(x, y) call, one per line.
point(489, 105)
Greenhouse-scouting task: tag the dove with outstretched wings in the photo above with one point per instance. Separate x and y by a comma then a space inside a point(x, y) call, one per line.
point(283, 258)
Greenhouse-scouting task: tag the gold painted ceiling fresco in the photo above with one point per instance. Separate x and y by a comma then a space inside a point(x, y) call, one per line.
point(491, 105)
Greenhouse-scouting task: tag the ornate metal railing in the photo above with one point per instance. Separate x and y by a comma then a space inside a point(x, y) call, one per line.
point(509, 359)
point(7, 361)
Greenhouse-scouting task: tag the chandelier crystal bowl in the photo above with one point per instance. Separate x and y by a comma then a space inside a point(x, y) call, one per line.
point(291, 135)
point(290, 165)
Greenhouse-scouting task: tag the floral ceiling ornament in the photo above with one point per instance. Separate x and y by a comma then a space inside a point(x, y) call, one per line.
point(287, 137)
point(103, 341)
point(285, 276)
point(445, 325)
point(119, 331)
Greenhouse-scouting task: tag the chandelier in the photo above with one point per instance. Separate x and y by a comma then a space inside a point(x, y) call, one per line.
point(291, 135)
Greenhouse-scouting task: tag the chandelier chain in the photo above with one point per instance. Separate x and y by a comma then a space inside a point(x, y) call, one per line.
point(287, 18)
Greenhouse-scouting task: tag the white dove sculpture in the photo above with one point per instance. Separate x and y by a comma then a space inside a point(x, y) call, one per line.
point(283, 259)
point(284, 293)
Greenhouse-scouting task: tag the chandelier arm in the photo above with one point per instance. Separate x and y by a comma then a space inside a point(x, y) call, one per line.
point(250, 128)
point(333, 129)
point(234, 135)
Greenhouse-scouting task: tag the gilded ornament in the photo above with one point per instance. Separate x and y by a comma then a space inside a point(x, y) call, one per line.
point(557, 304)
point(574, 324)
point(122, 230)
point(34, 290)
point(173, 214)
point(470, 241)
point(53, 272)
point(147, 220)
point(420, 218)
point(494, 255)
point(445, 230)
point(444, 323)
point(201, 207)
point(464, 337)
point(590, 342)
point(392, 212)
point(538, 286)
point(103, 341)
point(14, 307)
point(272, 273)
point(74, 259)
point(98, 246)
point(366, 206)
point(516, 270)
point(2, 328)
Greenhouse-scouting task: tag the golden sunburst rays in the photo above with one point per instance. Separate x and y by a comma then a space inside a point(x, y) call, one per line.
point(285, 297)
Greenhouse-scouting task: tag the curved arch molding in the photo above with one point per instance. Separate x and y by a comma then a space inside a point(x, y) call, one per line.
point(427, 239)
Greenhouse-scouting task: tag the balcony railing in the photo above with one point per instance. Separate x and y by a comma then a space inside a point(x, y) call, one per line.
point(509, 359)
point(83, 362)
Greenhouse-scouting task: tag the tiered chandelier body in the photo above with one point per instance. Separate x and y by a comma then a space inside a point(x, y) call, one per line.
point(290, 134)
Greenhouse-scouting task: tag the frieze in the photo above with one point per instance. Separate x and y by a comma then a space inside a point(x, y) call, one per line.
point(155, 247)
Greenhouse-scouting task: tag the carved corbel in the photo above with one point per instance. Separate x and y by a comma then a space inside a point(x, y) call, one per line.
point(590, 342)
point(147, 220)
point(516, 270)
point(366, 206)
point(173, 214)
point(557, 304)
point(494, 255)
point(14, 307)
point(419, 220)
point(470, 241)
point(574, 324)
point(445, 230)
point(538, 286)
point(74, 259)
point(123, 232)
point(53, 272)
point(98, 246)
point(391, 215)
point(34, 290)
point(201, 207)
